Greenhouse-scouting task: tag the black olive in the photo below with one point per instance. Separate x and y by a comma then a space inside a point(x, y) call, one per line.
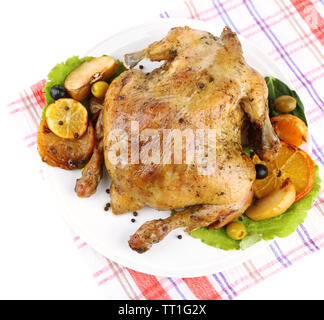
point(261, 171)
point(58, 92)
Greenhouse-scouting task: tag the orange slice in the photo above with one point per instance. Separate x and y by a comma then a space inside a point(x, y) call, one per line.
point(292, 163)
point(67, 118)
point(290, 129)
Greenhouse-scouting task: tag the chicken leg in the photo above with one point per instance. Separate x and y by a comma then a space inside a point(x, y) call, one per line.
point(192, 218)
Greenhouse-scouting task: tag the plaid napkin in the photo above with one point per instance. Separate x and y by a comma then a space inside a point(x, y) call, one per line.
point(292, 33)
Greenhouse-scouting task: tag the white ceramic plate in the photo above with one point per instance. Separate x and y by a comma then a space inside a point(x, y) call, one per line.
point(109, 234)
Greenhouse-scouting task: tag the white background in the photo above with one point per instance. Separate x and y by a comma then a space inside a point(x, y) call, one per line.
point(38, 259)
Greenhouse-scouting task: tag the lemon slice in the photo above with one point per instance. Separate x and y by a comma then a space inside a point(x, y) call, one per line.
point(67, 118)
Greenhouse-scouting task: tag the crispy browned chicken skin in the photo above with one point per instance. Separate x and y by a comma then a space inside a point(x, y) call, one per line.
point(204, 83)
point(87, 185)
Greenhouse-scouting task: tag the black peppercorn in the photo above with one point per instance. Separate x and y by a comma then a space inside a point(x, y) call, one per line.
point(174, 53)
point(72, 164)
point(46, 130)
point(107, 206)
point(201, 86)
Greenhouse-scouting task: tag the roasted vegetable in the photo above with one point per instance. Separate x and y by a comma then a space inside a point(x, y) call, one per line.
point(65, 153)
point(58, 75)
point(78, 82)
point(274, 204)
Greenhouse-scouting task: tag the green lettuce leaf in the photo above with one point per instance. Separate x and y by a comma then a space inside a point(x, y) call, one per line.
point(280, 226)
point(217, 238)
point(247, 150)
point(121, 68)
point(250, 239)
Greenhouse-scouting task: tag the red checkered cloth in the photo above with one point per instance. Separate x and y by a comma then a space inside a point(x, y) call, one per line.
point(292, 33)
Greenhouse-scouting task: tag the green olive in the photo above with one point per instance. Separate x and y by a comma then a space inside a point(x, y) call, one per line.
point(285, 104)
point(236, 230)
point(99, 89)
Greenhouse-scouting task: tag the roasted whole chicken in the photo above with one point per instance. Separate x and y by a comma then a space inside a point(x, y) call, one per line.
point(206, 84)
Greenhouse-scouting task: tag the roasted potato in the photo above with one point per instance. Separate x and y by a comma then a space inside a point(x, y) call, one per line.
point(78, 82)
point(65, 153)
